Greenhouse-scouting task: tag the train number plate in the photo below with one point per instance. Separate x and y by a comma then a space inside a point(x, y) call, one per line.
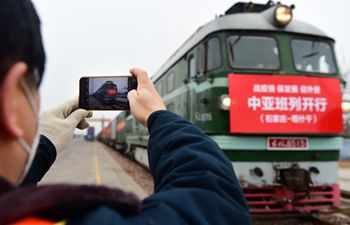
point(288, 143)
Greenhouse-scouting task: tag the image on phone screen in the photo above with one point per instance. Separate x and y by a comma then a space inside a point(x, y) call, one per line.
point(106, 93)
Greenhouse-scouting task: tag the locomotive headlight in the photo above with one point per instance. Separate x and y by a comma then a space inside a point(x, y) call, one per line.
point(346, 107)
point(225, 102)
point(283, 15)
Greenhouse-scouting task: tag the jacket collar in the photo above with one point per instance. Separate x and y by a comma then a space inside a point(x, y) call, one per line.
point(5, 186)
point(57, 202)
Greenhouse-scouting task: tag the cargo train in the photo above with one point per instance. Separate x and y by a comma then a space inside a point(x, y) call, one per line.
point(267, 88)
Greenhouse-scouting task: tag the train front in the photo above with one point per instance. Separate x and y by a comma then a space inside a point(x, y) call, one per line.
point(284, 113)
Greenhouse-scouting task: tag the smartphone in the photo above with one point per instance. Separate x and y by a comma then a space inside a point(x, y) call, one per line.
point(106, 93)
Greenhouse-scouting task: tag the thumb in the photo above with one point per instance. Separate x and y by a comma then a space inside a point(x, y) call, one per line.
point(83, 125)
point(77, 116)
point(132, 95)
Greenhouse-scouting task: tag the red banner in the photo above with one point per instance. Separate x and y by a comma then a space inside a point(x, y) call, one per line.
point(284, 104)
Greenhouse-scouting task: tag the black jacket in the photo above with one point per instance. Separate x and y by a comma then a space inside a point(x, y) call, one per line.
point(44, 158)
point(194, 181)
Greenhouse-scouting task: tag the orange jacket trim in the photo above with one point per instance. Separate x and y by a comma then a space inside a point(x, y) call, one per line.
point(36, 221)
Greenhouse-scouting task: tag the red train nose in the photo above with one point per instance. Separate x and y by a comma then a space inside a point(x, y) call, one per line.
point(111, 92)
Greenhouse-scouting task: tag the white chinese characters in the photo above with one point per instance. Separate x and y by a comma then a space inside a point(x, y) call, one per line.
point(287, 88)
point(288, 104)
point(283, 119)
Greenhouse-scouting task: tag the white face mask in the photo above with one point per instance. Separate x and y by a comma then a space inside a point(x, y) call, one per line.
point(31, 151)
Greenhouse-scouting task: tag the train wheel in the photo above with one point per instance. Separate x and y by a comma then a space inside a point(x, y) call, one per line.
point(130, 150)
point(121, 147)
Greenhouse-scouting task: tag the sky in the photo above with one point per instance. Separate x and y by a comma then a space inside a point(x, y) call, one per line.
point(108, 37)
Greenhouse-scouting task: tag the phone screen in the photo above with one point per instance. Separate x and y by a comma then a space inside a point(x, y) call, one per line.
point(106, 93)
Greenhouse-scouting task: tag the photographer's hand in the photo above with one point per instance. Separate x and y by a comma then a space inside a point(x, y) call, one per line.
point(145, 100)
point(58, 124)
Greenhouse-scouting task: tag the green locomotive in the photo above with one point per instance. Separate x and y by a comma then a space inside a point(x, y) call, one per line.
point(267, 89)
point(107, 92)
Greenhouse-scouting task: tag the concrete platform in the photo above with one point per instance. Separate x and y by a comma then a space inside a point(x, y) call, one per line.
point(89, 163)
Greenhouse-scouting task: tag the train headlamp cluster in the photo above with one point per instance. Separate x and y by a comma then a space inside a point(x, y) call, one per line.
point(346, 107)
point(224, 102)
point(283, 15)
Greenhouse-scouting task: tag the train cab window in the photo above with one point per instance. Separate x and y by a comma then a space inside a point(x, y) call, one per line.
point(159, 87)
point(313, 56)
point(192, 70)
point(214, 54)
point(201, 59)
point(170, 82)
point(171, 107)
point(253, 52)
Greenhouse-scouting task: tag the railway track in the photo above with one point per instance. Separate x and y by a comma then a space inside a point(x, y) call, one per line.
point(331, 218)
point(137, 171)
point(336, 218)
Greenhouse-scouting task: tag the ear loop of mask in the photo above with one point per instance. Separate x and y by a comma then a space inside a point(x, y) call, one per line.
point(29, 96)
point(31, 151)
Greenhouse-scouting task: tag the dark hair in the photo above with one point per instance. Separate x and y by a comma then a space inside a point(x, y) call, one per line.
point(20, 39)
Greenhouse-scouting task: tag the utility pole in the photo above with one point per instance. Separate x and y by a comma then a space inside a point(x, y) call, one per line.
point(102, 120)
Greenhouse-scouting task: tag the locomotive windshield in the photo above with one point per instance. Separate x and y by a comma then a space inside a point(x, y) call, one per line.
point(313, 56)
point(109, 84)
point(253, 52)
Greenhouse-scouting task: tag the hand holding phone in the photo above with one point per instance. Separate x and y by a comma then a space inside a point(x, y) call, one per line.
point(145, 100)
point(106, 93)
